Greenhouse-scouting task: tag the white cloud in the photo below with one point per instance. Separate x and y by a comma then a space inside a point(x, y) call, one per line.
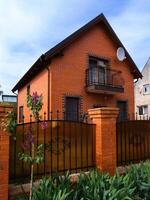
point(29, 28)
point(133, 28)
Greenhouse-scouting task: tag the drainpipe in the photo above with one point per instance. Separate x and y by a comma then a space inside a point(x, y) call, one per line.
point(43, 61)
point(17, 104)
point(48, 92)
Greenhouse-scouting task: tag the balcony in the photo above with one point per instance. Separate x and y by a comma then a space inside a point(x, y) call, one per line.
point(100, 80)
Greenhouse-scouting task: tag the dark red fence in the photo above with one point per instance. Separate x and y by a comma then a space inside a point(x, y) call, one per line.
point(68, 145)
point(133, 141)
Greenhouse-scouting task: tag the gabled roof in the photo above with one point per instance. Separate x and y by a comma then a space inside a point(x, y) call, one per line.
point(40, 64)
point(146, 65)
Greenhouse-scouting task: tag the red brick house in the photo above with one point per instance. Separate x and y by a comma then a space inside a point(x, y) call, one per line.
point(82, 72)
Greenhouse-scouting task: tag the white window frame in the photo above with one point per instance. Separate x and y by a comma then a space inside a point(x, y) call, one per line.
point(144, 107)
point(146, 86)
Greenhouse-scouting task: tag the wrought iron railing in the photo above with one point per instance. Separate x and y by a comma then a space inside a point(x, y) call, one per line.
point(103, 77)
point(68, 146)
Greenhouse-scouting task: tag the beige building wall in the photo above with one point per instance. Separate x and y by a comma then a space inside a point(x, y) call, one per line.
point(142, 97)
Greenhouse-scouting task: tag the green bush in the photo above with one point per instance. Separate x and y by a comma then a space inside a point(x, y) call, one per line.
point(133, 185)
point(98, 185)
point(139, 175)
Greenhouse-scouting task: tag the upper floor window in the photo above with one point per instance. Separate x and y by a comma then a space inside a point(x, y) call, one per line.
point(28, 89)
point(20, 114)
point(97, 72)
point(146, 89)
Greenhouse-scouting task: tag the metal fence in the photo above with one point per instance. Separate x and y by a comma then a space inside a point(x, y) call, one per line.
point(133, 141)
point(68, 145)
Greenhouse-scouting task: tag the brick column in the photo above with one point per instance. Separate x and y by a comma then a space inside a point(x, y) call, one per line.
point(4, 155)
point(105, 120)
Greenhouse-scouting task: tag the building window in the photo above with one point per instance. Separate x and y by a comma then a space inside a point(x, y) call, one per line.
point(21, 114)
point(72, 108)
point(97, 72)
point(143, 110)
point(28, 89)
point(146, 89)
point(9, 98)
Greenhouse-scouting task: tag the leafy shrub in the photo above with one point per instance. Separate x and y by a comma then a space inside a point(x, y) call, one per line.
point(134, 185)
point(139, 175)
point(98, 185)
point(56, 187)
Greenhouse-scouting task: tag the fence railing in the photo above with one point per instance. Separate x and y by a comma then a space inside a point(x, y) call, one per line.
point(68, 145)
point(102, 76)
point(133, 141)
point(133, 116)
point(57, 115)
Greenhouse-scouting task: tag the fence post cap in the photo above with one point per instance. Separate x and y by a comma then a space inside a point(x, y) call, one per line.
point(104, 112)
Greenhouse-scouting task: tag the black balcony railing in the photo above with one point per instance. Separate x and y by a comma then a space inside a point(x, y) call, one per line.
point(105, 79)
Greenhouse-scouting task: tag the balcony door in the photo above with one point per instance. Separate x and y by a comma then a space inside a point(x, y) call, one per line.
point(72, 108)
point(97, 72)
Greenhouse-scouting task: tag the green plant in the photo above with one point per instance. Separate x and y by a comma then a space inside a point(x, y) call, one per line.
point(98, 185)
point(133, 185)
point(53, 188)
point(33, 158)
point(139, 175)
point(34, 102)
point(11, 121)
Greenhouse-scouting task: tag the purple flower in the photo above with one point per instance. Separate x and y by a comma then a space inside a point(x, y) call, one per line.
point(35, 98)
point(44, 125)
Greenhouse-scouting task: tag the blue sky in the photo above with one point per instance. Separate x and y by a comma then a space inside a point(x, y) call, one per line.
point(30, 28)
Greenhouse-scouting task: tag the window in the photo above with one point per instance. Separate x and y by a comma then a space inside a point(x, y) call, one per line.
point(72, 108)
point(146, 89)
point(20, 114)
point(97, 72)
point(9, 98)
point(122, 105)
point(28, 89)
point(143, 110)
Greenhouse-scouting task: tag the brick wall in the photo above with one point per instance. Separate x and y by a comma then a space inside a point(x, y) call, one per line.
point(4, 155)
point(105, 120)
point(67, 73)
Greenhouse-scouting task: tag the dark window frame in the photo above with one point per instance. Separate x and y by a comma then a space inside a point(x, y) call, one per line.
point(21, 114)
point(28, 90)
point(98, 72)
point(79, 107)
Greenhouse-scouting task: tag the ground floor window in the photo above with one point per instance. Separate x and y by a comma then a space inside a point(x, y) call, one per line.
point(72, 108)
point(122, 105)
point(143, 110)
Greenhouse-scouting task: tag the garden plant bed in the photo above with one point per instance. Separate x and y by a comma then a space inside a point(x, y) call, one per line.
point(134, 184)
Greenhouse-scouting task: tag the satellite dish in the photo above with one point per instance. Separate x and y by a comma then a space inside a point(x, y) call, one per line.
point(121, 54)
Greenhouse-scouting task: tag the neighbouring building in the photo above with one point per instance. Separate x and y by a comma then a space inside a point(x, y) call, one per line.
point(9, 98)
point(142, 93)
point(81, 72)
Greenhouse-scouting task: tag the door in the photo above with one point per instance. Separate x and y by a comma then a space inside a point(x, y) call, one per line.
point(122, 105)
point(72, 108)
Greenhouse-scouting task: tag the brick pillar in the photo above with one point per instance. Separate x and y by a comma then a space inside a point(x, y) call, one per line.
point(105, 120)
point(4, 155)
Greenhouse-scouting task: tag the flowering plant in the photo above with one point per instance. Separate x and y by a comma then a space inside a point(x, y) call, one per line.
point(34, 102)
point(33, 158)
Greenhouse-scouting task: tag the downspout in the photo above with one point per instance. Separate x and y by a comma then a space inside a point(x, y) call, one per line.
point(43, 60)
point(16, 105)
point(48, 92)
